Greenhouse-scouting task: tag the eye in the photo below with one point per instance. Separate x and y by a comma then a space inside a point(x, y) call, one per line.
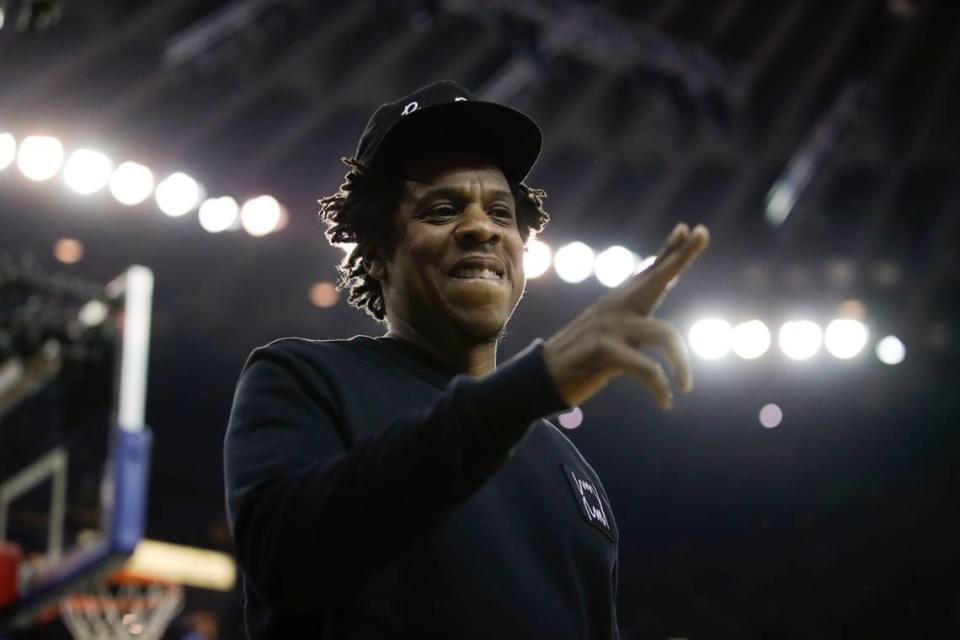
point(502, 211)
point(443, 209)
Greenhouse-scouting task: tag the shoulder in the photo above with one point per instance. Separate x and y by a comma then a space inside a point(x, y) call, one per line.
point(566, 444)
point(305, 351)
point(323, 370)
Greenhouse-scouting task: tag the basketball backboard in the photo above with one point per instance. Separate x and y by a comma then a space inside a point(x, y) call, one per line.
point(74, 449)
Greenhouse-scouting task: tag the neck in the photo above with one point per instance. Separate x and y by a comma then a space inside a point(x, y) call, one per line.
point(476, 358)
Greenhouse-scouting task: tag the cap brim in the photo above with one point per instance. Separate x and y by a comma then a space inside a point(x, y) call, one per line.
point(509, 135)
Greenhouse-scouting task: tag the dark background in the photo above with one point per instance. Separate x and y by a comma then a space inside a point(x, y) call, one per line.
point(839, 523)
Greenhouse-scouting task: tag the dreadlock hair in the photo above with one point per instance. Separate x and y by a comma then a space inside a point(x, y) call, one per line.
point(361, 212)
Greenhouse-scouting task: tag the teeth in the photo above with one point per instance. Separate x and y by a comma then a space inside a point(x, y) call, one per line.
point(475, 272)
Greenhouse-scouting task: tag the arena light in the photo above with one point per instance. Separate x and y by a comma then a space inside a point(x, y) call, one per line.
point(711, 338)
point(771, 416)
point(845, 337)
point(751, 339)
point(8, 149)
point(260, 216)
point(323, 294)
point(218, 214)
point(571, 419)
point(536, 258)
point(780, 201)
point(39, 157)
point(800, 339)
point(87, 171)
point(131, 183)
point(573, 262)
point(177, 194)
point(852, 308)
point(68, 250)
point(890, 350)
point(614, 265)
point(93, 313)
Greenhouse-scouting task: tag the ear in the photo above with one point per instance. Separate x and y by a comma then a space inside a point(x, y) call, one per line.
point(374, 263)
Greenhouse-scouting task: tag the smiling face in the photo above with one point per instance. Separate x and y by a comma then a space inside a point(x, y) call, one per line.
point(457, 263)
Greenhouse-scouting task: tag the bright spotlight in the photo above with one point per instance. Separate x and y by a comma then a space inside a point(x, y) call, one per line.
point(260, 216)
point(751, 339)
point(8, 149)
point(771, 415)
point(40, 157)
point(87, 171)
point(218, 214)
point(614, 265)
point(177, 194)
point(536, 258)
point(891, 351)
point(574, 262)
point(800, 339)
point(845, 337)
point(347, 247)
point(131, 183)
point(710, 338)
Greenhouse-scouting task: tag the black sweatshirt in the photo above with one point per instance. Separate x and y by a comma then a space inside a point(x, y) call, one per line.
point(373, 492)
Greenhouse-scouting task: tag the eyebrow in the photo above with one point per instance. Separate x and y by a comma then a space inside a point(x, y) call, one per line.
point(457, 193)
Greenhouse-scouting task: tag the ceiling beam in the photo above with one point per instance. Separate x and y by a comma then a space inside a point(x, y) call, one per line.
point(147, 24)
point(214, 120)
point(783, 135)
point(922, 129)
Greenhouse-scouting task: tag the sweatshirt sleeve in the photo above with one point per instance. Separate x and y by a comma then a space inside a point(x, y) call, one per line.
point(302, 505)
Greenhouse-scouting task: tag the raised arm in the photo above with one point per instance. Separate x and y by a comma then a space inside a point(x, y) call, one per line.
point(302, 505)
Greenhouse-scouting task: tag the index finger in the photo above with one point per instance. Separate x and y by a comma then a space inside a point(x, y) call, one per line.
point(675, 263)
point(676, 238)
point(650, 289)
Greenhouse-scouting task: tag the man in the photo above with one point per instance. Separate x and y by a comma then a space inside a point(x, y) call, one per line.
point(405, 486)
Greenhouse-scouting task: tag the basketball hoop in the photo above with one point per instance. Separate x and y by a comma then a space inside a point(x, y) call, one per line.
point(122, 606)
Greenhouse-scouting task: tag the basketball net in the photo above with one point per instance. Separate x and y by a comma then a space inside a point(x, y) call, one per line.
point(121, 606)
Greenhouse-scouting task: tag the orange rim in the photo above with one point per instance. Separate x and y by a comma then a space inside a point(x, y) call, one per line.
point(88, 601)
point(125, 576)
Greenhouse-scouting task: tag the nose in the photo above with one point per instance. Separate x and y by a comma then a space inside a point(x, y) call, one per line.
point(477, 228)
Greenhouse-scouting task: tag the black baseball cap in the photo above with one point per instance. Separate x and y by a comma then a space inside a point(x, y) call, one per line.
point(445, 115)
